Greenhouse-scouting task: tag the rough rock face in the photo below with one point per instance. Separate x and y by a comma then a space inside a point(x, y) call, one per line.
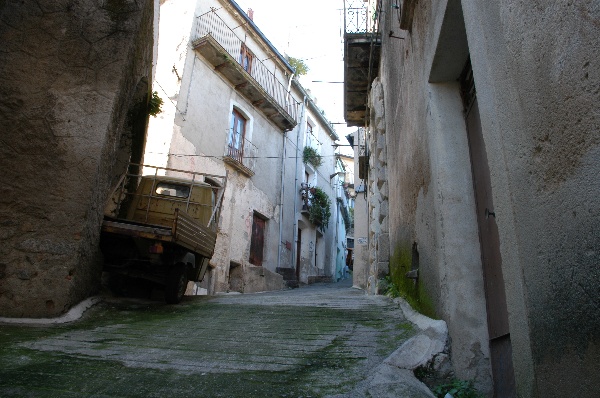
point(379, 250)
point(73, 94)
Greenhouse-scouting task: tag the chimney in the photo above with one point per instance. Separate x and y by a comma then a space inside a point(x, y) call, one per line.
point(251, 14)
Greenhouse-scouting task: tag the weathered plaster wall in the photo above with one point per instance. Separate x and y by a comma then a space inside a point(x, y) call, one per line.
point(73, 88)
point(535, 67)
point(431, 205)
point(360, 273)
point(198, 134)
point(175, 26)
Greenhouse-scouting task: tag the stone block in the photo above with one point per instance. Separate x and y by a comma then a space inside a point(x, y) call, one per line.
point(383, 269)
point(383, 247)
point(260, 279)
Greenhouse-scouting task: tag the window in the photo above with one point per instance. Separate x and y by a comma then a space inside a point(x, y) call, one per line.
point(237, 135)
point(246, 58)
point(309, 135)
point(174, 190)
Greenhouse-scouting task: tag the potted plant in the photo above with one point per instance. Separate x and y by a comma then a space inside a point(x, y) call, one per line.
point(310, 155)
point(320, 208)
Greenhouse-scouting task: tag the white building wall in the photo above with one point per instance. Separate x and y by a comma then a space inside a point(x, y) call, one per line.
point(193, 130)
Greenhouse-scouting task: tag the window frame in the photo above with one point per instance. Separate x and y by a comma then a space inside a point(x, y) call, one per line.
point(246, 58)
point(236, 139)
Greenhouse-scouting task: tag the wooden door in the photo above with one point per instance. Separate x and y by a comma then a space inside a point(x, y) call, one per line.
point(298, 250)
point(495, 295)
point(257, 241)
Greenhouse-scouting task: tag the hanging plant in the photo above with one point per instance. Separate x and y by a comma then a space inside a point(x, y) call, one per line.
point(320, 208)
point(155, 104)
point(310, 155)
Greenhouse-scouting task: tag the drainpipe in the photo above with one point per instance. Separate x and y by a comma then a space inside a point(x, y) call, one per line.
point(287, 104)
point(287, 98)
point(295, 232)
point(281, 200)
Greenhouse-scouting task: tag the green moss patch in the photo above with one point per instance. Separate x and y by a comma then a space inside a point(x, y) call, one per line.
point(401, 286)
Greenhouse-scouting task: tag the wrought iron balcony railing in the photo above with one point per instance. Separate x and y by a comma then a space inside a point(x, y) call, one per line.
point(210, 25)
point(360, 16)
point(315, 204)
point(306, 193)
point(241, 157)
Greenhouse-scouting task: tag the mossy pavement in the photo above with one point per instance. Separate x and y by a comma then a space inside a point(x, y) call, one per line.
point(317, 341)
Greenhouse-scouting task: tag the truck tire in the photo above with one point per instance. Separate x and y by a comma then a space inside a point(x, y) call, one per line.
point(116, 284)
point(176, 285)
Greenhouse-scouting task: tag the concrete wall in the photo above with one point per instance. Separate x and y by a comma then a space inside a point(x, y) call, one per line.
point(74, 82)
point(535, 68)
point(540, 79)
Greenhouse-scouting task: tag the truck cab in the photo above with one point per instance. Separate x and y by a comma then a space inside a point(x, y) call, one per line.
point(161, 229)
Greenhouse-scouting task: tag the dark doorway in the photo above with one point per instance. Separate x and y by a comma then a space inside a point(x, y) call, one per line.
point(298, 249)
point(489, 239)
point(257, 241)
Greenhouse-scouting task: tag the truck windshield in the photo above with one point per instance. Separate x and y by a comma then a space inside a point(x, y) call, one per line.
point(174, 190)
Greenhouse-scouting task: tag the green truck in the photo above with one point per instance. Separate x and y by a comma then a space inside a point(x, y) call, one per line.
point(160, 230)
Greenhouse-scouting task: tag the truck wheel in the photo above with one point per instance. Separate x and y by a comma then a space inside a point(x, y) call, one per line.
point(116, 284)
point(177, 281)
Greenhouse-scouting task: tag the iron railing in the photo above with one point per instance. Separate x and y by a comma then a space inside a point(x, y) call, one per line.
point(243, 154)
point(211, 24)
point(360, 16)
point(126, 191)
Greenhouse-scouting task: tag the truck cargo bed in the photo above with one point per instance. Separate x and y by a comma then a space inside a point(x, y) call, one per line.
point(185, 232)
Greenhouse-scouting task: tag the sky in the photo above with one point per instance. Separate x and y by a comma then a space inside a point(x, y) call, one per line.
point(311, 30)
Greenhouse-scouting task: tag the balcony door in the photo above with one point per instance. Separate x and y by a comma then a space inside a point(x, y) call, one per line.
point(237, 135)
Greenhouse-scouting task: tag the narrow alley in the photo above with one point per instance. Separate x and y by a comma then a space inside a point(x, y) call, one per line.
point(326, 340)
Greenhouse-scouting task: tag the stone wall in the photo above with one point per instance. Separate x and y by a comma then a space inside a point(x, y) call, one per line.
point(379, 247)
point(535, 68)
point(73, 92)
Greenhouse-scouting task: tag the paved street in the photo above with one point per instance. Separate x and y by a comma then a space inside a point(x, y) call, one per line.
point(319, 341)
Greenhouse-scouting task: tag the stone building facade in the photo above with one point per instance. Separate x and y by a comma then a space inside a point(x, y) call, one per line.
point(490, 112)
point(74, 86)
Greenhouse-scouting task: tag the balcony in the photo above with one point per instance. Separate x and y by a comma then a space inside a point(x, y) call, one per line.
point(242, 159)
point(221, 47)
point(362, 47)
point(316, 205)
